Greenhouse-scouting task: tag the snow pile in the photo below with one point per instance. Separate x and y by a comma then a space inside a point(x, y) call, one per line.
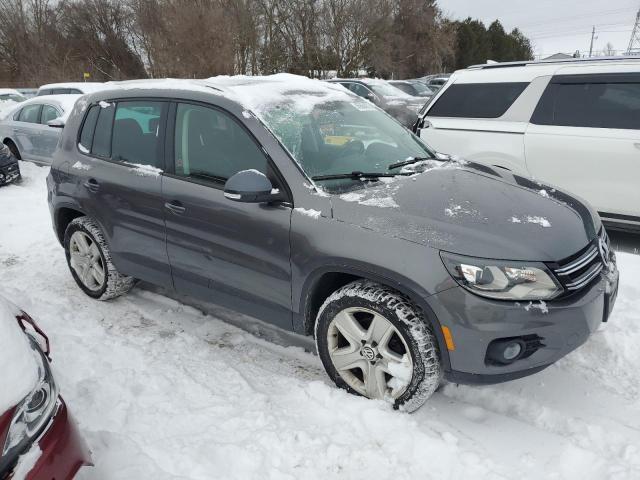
point(308, 212)
point(163, 391)
point(144, 170)
point(79, 165)
point(18, 367)
point(26, 462)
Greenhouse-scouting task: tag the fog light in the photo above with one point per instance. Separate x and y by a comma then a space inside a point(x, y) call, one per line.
point(506, 351)
point(512, 350)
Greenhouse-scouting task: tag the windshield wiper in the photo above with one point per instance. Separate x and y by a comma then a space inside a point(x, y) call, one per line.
point(411, 161)
point(355, 175)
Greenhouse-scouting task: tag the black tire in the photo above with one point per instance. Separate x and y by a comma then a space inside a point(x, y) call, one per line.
point(408, 320)
point(115, 283)
point(14, 149)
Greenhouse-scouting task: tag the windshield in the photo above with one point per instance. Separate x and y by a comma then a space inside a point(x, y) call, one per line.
point(422, 89)
point(337, 137)
point(386, 90)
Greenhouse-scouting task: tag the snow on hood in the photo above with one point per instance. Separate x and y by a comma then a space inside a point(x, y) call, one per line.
point(468, 209)
point(18, 366)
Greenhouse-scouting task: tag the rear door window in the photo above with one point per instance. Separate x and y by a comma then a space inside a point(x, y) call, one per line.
point(136, 132)
point(48, 113)
point(30, 114)
point(477, 100)
point(606, 101)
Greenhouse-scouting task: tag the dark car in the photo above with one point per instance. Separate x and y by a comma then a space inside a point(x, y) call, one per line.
point(435, 82)
point(9, 168)
point(39, 439)
point(415, 88)
point(296, 202)
point(400, 105)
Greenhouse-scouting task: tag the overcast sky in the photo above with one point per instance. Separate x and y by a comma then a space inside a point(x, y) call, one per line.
point(555, 25)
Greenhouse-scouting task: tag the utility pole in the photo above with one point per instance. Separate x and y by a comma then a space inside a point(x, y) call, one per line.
point(634, 42)
point(593, 35)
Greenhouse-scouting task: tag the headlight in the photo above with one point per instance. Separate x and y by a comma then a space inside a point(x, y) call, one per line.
point(503, 280)
point(34, 412)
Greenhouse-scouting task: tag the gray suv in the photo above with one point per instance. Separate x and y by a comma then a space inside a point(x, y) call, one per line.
point(299, 203)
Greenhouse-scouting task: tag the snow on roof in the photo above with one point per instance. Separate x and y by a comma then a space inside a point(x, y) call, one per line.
point(18, 367)
point(258, 93)
point(9, 91)
point(84, 87)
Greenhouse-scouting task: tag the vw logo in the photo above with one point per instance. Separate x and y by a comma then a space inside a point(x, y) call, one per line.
point(368, 352)
point(604, 251)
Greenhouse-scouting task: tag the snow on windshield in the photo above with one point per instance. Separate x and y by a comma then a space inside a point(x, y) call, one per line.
point(18, 367)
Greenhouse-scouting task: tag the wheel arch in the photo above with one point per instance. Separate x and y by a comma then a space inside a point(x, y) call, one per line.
point(325, 280)
point(9, 140)
point(63, 216)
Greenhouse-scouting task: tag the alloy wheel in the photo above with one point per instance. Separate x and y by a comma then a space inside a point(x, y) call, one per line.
point(369, 353)
point(86, 261)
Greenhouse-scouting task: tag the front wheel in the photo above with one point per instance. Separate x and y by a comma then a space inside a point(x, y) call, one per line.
point(89, 260)
point(375, 342)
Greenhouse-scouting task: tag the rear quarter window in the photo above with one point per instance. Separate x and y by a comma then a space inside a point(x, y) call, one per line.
point(477, 100)
point(594, 101)
point(88, 128)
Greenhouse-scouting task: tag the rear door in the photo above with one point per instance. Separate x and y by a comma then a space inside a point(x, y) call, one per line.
point(234, 254)
point(48, 141)
point(584, 136)
point(120, 178)
point(25, 129)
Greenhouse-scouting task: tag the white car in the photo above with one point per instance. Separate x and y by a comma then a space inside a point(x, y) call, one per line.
point(574, 123)
point(71, 88)
point(26, 131)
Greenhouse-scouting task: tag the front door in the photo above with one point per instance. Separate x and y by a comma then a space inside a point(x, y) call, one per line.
point(234, 254)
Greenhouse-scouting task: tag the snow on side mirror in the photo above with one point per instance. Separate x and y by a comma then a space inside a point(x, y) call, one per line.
point(56, 123)
point(250, 186)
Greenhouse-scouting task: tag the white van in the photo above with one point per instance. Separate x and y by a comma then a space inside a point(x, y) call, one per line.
point(573, 123)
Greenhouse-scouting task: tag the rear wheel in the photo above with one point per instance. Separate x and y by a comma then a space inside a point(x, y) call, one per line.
point(14, 149)
point(375, 342)
point(90, 262)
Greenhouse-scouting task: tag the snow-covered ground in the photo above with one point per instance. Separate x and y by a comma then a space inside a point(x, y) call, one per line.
point(163, 391)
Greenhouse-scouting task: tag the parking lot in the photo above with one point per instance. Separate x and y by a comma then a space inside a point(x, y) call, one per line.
point(164, 390)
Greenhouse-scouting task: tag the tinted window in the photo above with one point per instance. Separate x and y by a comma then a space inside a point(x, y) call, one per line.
point(477, 100)
point(89, 126)
point(360, 90)
point(405, 87)
point(210, 145)
point(102, 137)
point(46, 91)
point(74, 91)
point(596, 105)
point(59, 91)
point(30, 114)
point(136, 132)
point(48, 113)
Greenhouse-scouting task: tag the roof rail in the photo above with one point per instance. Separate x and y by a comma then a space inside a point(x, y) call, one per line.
point(525, 63)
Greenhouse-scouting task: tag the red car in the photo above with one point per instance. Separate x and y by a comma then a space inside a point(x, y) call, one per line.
point(38, 437)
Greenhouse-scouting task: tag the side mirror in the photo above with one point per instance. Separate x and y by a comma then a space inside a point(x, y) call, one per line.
point(371, 96)
point(250, 186)
point(56, 123)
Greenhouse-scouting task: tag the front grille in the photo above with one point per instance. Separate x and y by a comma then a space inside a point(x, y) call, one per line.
point(581, 269)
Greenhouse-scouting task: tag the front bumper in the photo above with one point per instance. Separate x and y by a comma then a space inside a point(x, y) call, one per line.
point(64, 452)
point(9, 172)
point(563, 325)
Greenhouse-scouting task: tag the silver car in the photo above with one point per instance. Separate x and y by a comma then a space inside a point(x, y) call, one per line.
point(26, 131)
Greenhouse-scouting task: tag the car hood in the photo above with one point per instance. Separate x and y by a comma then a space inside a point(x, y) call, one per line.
point(18, 365)
point(471, 209)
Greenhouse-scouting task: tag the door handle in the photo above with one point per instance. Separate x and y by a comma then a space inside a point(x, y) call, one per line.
point(92, 185)
point(175, 207)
